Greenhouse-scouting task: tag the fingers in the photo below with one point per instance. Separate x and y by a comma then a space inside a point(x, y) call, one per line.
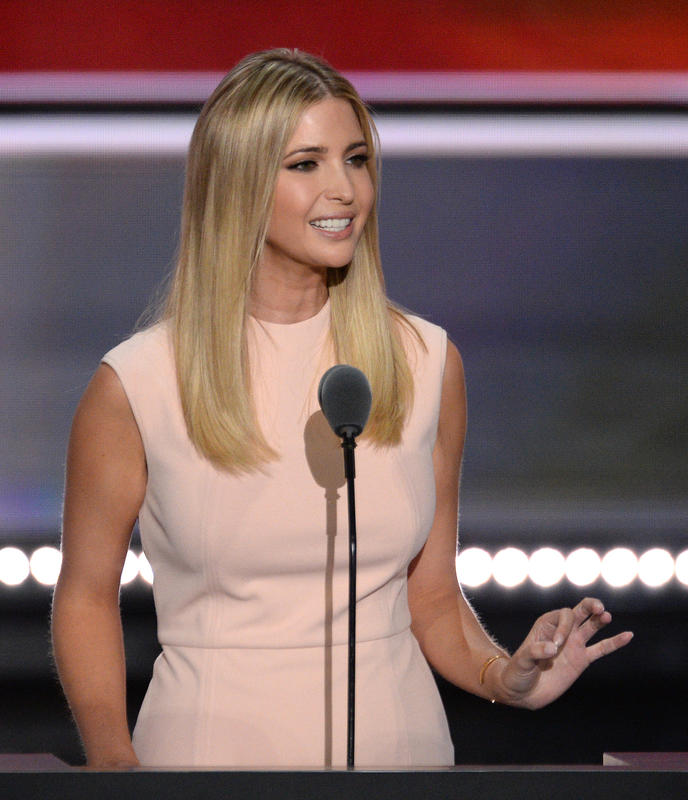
point(607, 646)
point(547, 636)
point(586, 619)
point(543, 650)
point(591, 617)
point(573, 628)
point(565, 624)
point(588, 607)
point(594, 624)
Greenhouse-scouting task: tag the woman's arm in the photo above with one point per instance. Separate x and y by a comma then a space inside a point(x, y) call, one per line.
point(449, 633)
point(555, 651)
point(105, 486)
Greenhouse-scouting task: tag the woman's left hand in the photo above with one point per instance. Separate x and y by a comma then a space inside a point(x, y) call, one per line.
point(555, 653)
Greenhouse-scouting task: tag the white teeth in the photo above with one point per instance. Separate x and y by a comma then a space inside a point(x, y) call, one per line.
point(331, 224)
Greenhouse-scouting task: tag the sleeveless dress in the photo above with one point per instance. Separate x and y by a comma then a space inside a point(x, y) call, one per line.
point(251, 572)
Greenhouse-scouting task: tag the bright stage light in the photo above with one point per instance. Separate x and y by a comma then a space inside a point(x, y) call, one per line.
point(546, 567)
point(130, 569)
point(583, 567)
point(145, 569)
point(14, 566)
point(656, 567)
point(620, 567)
point(473, 566)
point(45, 565)
point(510, 567)
point(681, 567)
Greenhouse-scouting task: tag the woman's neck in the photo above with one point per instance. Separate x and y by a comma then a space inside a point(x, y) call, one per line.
point(286, 299)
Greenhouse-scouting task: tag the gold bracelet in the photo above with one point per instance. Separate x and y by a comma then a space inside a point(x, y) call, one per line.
point(486, 665)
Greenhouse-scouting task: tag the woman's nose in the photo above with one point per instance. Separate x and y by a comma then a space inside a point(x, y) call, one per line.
point(339, 185)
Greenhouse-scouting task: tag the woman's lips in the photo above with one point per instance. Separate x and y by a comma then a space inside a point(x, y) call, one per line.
point(333, 227)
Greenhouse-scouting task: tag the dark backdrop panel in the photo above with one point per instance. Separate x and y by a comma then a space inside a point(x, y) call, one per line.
point(564, 283)
point(85, 244)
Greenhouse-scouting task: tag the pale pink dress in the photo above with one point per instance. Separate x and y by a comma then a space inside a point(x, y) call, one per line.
point(251, 572)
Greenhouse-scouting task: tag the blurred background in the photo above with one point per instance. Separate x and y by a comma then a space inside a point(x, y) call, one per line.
point(534, 203)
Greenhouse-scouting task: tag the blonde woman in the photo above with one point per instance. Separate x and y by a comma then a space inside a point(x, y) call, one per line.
point(205, 426)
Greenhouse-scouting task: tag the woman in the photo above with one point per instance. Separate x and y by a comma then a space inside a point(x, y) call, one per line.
point(205, 426)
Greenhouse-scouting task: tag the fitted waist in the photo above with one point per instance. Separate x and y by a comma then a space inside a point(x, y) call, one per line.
point(286, 645)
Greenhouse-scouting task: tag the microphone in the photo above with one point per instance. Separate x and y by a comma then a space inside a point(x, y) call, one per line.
point(345, 398)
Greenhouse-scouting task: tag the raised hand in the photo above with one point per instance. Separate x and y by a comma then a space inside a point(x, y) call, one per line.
point(556, 652)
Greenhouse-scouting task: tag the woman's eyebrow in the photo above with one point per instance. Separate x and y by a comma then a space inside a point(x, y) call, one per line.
point(320, 149)
point(355, 145)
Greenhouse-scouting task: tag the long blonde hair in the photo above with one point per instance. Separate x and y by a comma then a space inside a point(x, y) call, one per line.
point(234, 157)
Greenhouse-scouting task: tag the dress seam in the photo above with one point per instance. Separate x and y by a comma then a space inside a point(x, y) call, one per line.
point(211, 623)
point(168, 643)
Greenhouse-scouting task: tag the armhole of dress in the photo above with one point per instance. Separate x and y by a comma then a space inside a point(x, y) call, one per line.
point(443, 356)
point(138, 418)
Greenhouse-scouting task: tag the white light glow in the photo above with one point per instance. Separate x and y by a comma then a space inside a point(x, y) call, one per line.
point(620, 567)
point(681, 567)
point(130, 569)
point(510, 567)
point(473, 566)
point(145, 569)
point(531, 134)
point(546, 566)
point(14, 566)
point(417, 135)
point(583, 566)
point(656, 567)
point(45, 565)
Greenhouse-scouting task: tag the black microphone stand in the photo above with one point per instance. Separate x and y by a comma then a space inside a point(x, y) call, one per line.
point(345, 398)
point(348, 445)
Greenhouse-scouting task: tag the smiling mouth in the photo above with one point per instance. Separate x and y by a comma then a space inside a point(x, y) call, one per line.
point(334, 225)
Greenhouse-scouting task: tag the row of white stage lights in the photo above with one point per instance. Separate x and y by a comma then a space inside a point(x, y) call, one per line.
point(45, 562)
point(509, 567)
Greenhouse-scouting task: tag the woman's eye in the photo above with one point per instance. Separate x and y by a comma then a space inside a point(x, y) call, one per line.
point(302, 166)
point(359, 160)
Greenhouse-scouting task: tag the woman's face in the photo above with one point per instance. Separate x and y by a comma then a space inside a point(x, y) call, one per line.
point(323, 193)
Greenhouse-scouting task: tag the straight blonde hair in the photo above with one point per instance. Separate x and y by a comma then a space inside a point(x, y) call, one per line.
point(234, 157)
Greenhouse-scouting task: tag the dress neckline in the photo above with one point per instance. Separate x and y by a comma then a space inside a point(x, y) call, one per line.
point(302, 333)
point(325, 309)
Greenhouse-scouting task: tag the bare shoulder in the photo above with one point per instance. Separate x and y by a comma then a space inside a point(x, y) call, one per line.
point(104, 396)
point(104, 423)
point(106, 475)
point(453, 369)
point(451, 429)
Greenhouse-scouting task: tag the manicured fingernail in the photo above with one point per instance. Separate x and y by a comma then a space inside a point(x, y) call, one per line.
point(558, 641)
point(550, 649)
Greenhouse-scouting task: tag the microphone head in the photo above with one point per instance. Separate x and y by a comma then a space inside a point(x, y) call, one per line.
point(345, 398)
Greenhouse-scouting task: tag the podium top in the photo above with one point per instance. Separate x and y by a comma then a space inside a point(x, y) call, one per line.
point(33, 762)
point(661, 761)
point(39, 775)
